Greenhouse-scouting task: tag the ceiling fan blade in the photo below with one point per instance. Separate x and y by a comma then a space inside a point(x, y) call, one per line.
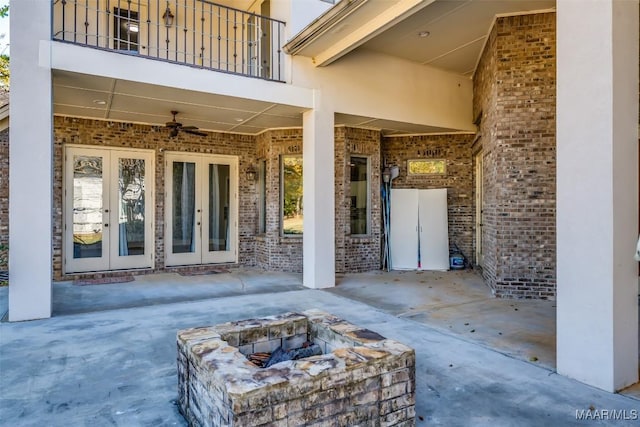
point(189, 128)
point(194, 132)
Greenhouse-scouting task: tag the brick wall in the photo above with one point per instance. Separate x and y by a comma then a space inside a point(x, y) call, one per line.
point(357, 253)
point(514, 94)
point(274, 251)
point(4, 196)
point(458, 180)
point(69, 130)
point(353, 253)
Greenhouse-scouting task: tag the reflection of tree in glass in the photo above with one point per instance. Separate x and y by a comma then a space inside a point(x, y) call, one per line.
point(131, 185)
point(292, 193)
point(426, 167)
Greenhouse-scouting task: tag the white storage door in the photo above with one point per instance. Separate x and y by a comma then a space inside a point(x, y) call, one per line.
point(404, 229)
point(434, 235)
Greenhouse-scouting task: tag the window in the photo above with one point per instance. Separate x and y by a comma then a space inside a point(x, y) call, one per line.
point(126, 27)
point(427, 167)
point(359, 194)
point(291, 179)
point(262, 197)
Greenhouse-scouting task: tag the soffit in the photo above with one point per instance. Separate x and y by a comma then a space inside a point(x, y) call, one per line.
point(95, 97)
point(457, 31)
point(103, 98)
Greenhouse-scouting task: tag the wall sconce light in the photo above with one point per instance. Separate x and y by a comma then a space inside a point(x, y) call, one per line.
point(168, 17)
point(386, 175)
point(252, 173)
point(389, 173)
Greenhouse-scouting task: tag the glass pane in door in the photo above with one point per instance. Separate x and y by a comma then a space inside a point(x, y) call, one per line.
point(87, 207)
point(131, 207)
point(183, 207)
point(219, 176)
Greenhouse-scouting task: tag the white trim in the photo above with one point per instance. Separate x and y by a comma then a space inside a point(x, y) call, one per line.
point(201, 253)
point(110, 259)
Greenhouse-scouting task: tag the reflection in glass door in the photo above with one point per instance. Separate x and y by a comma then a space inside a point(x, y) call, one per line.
point(87, 208)
point(108, 209)
point(201, 209)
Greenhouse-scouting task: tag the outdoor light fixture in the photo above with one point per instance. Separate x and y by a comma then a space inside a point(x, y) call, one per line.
point(168, 17)
point(252, 173)
point(386, 175)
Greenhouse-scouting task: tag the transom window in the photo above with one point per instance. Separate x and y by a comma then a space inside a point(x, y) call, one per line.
point(427, 167)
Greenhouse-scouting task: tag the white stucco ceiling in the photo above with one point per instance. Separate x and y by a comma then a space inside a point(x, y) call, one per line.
point(95, 97)
point(457, 30)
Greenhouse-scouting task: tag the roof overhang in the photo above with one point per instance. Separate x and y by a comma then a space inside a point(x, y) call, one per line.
point(348, 25)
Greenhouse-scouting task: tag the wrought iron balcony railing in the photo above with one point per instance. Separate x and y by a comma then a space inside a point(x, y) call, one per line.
point(192, 32)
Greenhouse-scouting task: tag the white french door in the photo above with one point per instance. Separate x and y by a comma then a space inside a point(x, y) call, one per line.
point(201, 216)
point(108, 209)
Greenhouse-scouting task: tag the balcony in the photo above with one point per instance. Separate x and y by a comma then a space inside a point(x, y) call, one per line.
point(197, 33)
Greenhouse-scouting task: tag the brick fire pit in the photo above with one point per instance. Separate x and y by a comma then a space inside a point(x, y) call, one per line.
point(361, 379)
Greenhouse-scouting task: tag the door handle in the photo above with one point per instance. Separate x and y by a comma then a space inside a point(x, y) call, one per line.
point(106, 225)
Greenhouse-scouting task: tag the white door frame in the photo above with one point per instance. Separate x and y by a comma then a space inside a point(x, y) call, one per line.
point(479, 255)
point(201, 253)
point(110, 258)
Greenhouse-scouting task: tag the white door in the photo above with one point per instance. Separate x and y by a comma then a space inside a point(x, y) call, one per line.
point(404, 229)
point(201, 225)
point(434, 229)
point(108, 209)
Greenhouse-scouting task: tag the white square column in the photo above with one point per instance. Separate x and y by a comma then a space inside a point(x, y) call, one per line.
point(319, 198)
point(597, 191)
point(30, 163)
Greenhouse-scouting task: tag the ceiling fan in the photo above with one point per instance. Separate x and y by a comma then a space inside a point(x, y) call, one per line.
point(176, 127)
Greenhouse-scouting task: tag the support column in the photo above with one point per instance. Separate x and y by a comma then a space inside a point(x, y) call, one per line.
point(318, 197)
point(30, 163)
point(597, 184)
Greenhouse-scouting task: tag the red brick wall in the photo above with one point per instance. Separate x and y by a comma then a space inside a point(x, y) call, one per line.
point(353, 253)
point(357, 253)
point(274, 251)
point(68, 130)
point(514, 91)
point(458, 180)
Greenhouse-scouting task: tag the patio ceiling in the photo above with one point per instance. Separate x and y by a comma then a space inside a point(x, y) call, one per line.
point(446, 34)
point(96, 97)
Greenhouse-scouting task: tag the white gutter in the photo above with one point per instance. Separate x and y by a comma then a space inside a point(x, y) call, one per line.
point(324, 23)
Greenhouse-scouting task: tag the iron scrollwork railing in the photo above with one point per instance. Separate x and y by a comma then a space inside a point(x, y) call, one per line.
point(193, 32)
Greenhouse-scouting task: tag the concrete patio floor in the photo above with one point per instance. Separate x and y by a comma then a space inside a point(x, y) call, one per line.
point(107, 357)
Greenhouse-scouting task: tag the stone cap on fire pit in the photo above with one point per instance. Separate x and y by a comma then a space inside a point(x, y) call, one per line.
point(362, 376)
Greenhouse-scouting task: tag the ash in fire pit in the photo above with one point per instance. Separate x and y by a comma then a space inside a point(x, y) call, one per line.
point(354, 377)
point(264, 360)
